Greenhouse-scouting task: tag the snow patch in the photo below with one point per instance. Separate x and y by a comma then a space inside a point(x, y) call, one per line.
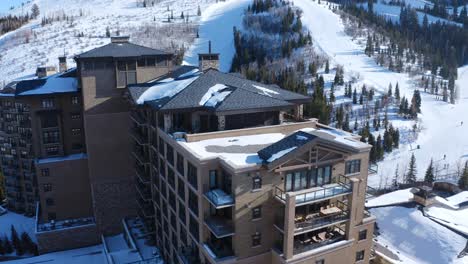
point(280, 154)
point(265, 91)
point(214, 95)
point(396, 197)
point(165, 89)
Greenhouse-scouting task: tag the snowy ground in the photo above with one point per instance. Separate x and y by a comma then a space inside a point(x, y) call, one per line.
point(21, 223)
point(442, 133)
point(417, 239)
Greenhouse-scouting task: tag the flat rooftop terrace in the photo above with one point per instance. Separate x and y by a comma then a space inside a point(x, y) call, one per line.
point(239, 148)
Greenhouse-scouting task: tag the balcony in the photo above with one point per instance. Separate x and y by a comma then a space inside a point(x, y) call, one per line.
point(189, 255)
point(219, 198)
point(324, 237)
point(218, 250)
point(139, 135)
point(327, 216)
point(341, 187)
point(373, 169)
point(220, 226)
point(146, 208)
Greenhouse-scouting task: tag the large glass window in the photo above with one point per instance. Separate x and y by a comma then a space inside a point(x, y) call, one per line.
point(126, 73)
point(353, 166)
point(304, 179)
point(192, 175)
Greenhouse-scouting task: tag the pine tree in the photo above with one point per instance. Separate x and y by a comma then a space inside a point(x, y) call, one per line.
point(327, 67)
point(361, 99)
point(396, 138)
point(397, 92)
point(35, 11)
point(2, 248)
point(355, 124)
point(199, 11)
point(411, 174)
point(313, 69)
point(429, 176)
point(7, 245)
point(27, 243)
point(108, 34)
point(346, 123)
point(463, 181)
point(395, 179)
point(355, 96)
point(389, 93)
point(16, 242)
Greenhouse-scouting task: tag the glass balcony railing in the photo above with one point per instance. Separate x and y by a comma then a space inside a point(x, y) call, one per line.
point(219, 198)
point(219, 226)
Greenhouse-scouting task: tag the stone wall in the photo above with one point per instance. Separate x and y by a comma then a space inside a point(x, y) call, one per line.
point(69, 238)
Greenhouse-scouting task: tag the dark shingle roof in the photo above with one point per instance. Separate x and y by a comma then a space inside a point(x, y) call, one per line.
point(120, 50)
point(295, 140)
point(243, 96)
point(54, 84)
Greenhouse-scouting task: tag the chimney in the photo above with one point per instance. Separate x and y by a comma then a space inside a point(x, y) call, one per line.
point(208, 60)
point(118, 39)
point(63, 64)
point(42, 72)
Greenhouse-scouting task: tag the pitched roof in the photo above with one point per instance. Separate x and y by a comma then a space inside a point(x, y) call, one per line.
point(229, 91)
point(120, 50)
point(54, 84)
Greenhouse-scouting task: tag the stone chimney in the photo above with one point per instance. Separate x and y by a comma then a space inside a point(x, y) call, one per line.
point(63, 64)
point(119, 39)
point(42, 72)
point(208, 60)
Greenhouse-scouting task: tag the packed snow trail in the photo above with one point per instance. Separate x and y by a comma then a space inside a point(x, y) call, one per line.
point(442, 130)
point(217, 24)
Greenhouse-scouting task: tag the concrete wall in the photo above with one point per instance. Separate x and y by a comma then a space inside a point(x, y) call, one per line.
point(71, 191)
point(65, 239)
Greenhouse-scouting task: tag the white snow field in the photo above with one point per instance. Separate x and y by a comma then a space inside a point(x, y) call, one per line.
point(33, 45)
point(442, 132)
point(415, 238)
point(88, 255)
point(216, 25)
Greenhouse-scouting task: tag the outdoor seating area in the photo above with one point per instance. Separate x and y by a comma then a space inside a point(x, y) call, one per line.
point(319, 238)
point(314, 216)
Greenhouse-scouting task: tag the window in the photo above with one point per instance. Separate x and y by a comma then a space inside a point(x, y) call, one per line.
point(256, 182)
point(52, 151)
point(257, 212)
point(180, 163)
point(76, 131)
point(75, 116)
point(360, 255)
point(50, 202)
point(45, 172)
point(50, 137)
point(193, 227)
point(126, 73)
point(181, 212)
point(161, 146)
point(47, 103)
point(193, 202)
point(192, 175)
point(47, 187)
point(363, 234)
point(256, 239)
point(322, 261)
point(171, 177)
point(170, 154)
point(74, 100)
point(353, 166)
point(181, 189)
point(299, 180)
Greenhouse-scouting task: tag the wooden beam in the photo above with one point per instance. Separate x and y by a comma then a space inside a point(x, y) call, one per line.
point(309, 165)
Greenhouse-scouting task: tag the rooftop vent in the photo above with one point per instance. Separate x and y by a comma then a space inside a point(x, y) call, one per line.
point(124, 39)
point(42, 72)
point(208, 60)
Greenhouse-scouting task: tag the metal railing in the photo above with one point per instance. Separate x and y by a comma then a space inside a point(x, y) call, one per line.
point(343, 186)
point(373, 169)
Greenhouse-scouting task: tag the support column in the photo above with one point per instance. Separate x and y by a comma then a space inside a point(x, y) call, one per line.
point(299, 112)
point(353, 204)
point(221, 123)
point(281, 117)
point(289, 226)
point(167, 122)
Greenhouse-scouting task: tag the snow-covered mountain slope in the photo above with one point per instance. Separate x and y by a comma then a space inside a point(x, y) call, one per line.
point(442, 132)
point(217, 25)
point(34, 45)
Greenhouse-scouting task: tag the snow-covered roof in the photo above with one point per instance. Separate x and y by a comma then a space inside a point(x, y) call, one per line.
point(211, 90)
point(392, 198)
point(65, 82)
